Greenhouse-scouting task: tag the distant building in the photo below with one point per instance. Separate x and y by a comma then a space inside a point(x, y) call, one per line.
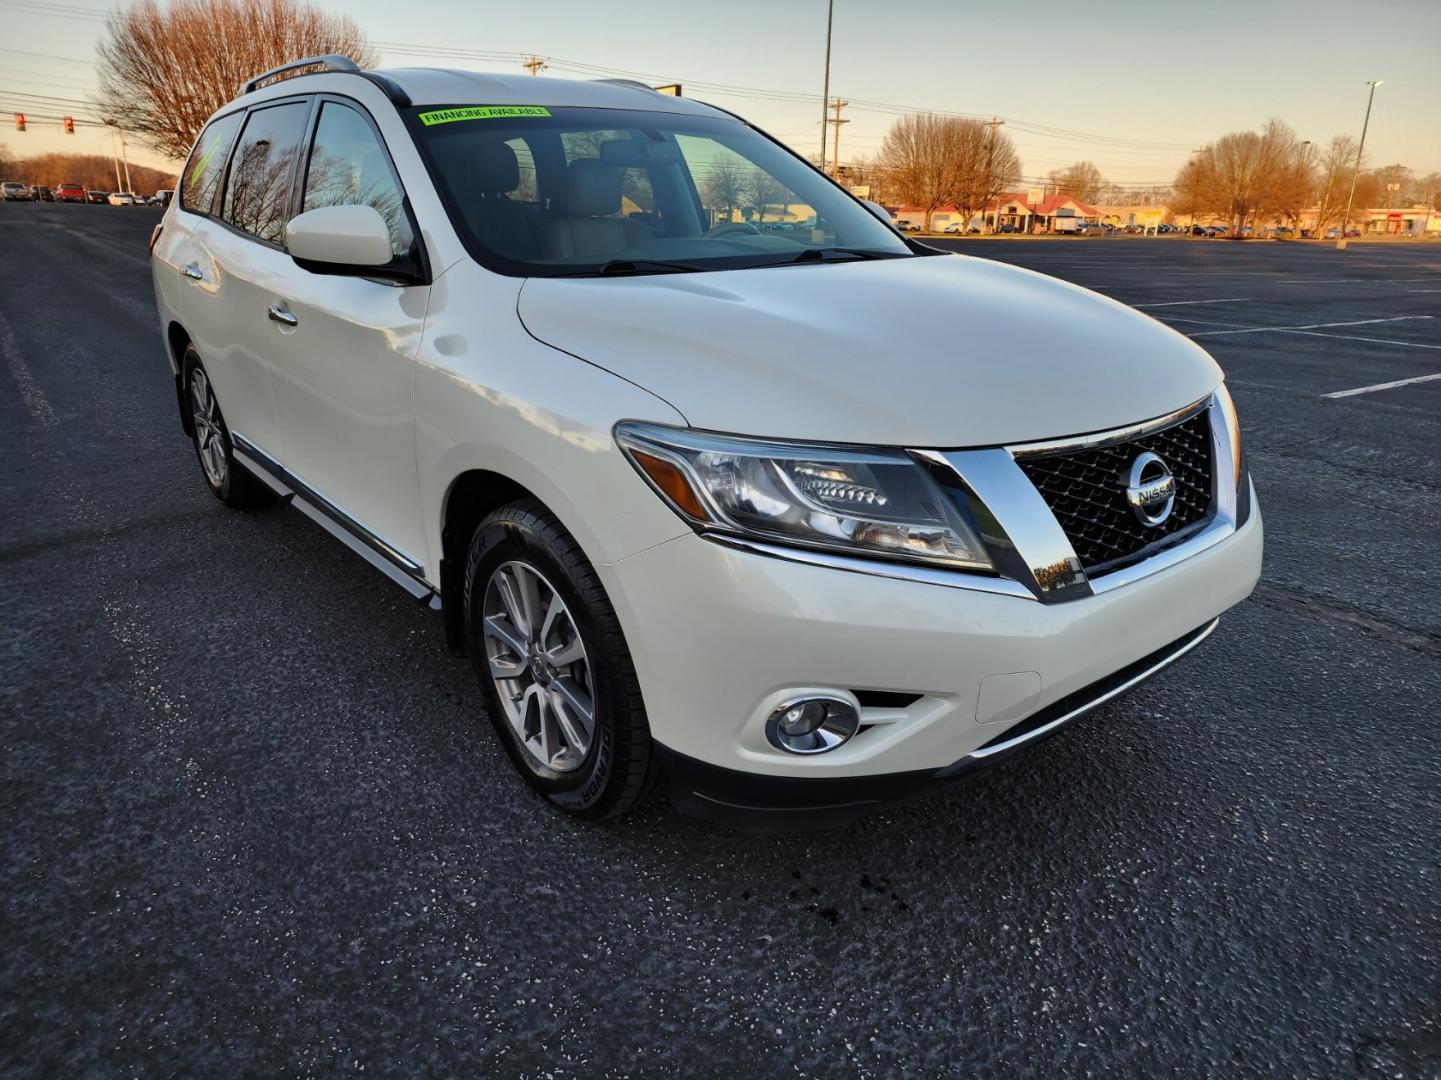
point(1049, 213)
point(1146, 217)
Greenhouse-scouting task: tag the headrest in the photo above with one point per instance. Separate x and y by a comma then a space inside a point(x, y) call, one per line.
point(493, 167)
point(591, 188)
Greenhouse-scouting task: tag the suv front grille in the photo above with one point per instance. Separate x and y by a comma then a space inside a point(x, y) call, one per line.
point(1085, 490)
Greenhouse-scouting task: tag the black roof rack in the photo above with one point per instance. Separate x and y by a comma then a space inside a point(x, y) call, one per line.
point(331, 62)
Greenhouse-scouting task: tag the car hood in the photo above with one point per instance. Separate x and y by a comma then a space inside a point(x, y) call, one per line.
point(945, 351)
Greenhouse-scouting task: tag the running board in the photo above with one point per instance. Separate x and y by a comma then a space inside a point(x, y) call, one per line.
point(289, 488)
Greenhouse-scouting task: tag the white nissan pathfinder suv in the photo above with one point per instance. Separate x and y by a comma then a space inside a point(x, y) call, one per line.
point(803, 520)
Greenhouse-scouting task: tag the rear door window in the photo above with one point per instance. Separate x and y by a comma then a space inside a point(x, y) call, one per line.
point(257, 188)
point(207, 160)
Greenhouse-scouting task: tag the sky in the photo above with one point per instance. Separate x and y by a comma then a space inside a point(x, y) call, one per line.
point(1131, 86)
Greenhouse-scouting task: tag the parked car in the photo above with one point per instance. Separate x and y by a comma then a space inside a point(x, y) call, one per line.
point(14, 191)
point(121, 198)
point(690, 504)
point(41, 193)
point(163, 196)
point(1090, 228)
point(101, 197)
point(955, 228)
point(69, 193)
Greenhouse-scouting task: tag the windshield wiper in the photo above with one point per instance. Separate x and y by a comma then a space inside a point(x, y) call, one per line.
point(646, 266)
point(819, 254)
point(637, 266)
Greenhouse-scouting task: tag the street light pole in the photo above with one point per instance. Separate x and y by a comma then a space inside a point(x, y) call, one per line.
point(826, 83)
point(1356, 172)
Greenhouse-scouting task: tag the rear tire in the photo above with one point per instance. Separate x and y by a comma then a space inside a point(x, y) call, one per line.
point(558, 680)
point(228, 480)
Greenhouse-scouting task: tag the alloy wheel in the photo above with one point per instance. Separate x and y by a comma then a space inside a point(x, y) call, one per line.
point(209, 439)
point(539, 666)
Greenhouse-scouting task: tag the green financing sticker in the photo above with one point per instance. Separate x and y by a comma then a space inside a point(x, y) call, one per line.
point(481, 112)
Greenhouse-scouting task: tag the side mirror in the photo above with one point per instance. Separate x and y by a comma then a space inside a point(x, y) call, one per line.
point(339, 240)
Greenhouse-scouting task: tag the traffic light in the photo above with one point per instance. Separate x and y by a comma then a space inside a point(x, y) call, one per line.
point(20, 121)
point(69, 125)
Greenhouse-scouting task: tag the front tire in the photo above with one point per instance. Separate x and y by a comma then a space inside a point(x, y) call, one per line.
point(553, 665)
point(228, 480)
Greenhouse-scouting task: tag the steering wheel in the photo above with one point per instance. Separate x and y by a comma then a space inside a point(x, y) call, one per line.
point(725, 228)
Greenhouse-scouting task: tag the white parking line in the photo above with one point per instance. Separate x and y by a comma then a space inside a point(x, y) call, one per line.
point(1383, 386)
point(30, 392)
point(1372, 340)
point(1169, 318)
point(1187, 303)
point(1310, 326)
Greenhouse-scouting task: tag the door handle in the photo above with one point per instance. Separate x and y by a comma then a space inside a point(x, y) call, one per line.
point(280, 315)
point(192, 272)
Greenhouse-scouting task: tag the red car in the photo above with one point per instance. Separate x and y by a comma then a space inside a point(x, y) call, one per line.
point(69, 193)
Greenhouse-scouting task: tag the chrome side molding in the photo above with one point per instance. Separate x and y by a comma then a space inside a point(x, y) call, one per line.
point(405, 571)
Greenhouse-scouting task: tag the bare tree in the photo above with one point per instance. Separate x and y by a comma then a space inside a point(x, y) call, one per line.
point(1428, 190)
point(723, 188)
point(163, 71)
point(1241, 175)
point(930, 161)
point(921, 162)
point(1081, 181)
point(764, 191)
point(1333, 180)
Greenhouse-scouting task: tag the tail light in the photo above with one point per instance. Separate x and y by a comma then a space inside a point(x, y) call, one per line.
point(155, 237)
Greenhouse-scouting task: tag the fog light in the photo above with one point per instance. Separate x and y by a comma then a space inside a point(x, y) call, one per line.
point(812, 725)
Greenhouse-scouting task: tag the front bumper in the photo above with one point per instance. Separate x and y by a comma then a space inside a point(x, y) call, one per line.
point(721, 636)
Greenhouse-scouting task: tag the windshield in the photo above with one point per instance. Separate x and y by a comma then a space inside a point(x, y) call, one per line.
point(573, 191)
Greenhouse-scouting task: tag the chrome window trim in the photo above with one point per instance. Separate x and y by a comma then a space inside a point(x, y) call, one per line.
point(1112, 436)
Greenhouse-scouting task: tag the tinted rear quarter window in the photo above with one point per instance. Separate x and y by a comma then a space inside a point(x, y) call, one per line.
point(257, 188)
point(202, 171)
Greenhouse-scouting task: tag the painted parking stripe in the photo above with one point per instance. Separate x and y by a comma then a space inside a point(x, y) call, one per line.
point(1372, 340)
point(1310, 326)
point(1187, 303)
point(1383, 386)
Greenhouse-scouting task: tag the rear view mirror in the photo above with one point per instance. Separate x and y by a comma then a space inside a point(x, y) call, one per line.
point(339, 239)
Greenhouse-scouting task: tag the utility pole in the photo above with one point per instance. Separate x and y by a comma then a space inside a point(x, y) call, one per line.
point(126, 159)
point(1191, 232)
point(1355, 172)
point(826, 83)
point(994, 123)
point(533, 64)
point(115, 156)
point(836, 122)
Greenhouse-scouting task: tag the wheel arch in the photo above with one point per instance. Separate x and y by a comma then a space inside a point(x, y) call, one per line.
point(468, 499)
point(178, 340)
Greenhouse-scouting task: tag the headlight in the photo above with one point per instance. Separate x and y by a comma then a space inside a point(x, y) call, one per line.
point(857, 501)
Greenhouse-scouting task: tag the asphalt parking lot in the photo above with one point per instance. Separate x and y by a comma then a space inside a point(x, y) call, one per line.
point(255, 824)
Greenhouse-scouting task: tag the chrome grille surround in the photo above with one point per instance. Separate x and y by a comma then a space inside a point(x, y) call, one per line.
point(1084, 487)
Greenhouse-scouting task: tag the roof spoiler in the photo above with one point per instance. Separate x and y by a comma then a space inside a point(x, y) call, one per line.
point(332, 62)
